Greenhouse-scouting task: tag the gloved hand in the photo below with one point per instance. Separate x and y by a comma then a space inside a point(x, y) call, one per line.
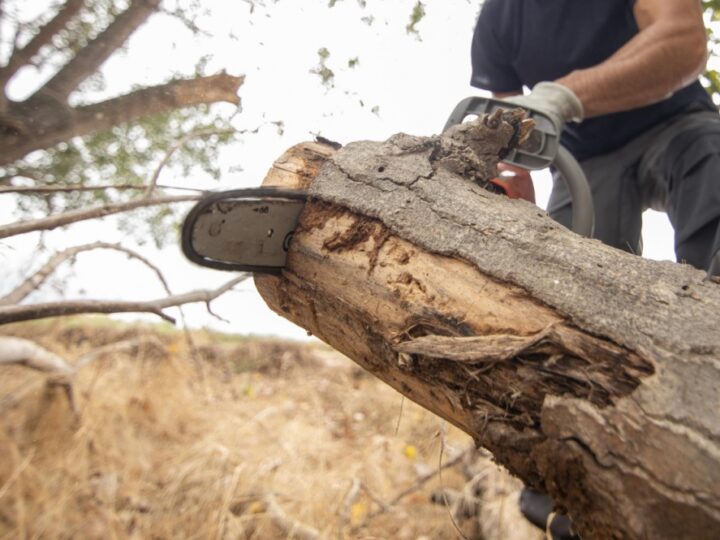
point(515, 182)
point(555, 100)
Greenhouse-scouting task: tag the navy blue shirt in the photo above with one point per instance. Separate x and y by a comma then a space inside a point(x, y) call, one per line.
point(522, 42)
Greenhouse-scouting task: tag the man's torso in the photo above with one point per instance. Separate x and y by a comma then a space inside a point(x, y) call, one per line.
point(522, 42)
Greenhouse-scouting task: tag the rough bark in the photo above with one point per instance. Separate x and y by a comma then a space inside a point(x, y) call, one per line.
point(586, 371)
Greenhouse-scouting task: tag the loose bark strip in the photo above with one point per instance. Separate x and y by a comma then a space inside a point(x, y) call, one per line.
point(588, 372)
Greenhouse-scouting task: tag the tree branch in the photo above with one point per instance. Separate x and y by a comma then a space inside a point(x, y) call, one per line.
point(6, 179)
point(10, 314)
point(289, 526)
point(179, 144)
point(127, 108)
point(96, 52)
point(23, 352)
point(34, 281)
point(83, 214)
point(80, 187)
point(21, 56)
point(128, 345)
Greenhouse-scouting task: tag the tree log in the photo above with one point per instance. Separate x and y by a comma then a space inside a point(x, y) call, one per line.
point(588, 372)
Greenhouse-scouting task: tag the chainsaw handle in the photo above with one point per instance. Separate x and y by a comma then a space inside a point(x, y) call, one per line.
point(545, 152)
point(583, 208)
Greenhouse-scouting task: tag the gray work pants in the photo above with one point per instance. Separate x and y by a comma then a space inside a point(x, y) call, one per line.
point(674, 167)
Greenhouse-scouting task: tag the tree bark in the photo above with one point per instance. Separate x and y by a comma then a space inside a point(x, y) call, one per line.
point(588, 372)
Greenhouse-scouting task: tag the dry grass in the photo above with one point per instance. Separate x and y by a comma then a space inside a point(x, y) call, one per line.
point(168, 447)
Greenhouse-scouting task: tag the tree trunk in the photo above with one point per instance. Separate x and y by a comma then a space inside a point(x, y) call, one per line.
point(586, 371)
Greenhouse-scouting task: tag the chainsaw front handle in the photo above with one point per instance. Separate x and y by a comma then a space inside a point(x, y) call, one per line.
point(542, 149)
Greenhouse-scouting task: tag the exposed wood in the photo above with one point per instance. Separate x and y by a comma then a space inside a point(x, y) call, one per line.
point(586, 371)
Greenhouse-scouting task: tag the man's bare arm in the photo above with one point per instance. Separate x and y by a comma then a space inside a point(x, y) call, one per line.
point(667, 54)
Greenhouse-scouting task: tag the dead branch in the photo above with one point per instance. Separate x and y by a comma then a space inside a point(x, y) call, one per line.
point(23, 352)
point(174, 148)
point(412, 488)
point(125, 346)
point(96, 52)
point(156, 99)
point(348, 501)
point(34, 281)
point(80, 187)
point(290, 527)
point(16, 313)
point(84, 214)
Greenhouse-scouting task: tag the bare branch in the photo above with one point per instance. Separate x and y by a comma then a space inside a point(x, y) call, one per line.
point(129, 345)
point(412, 488)
point(127, 108)
point(5, 180)
point(348, 502)
point(289, 526)
point(10, 314)
point(21, 56)
point(23, 352)
point(34, 281)
point(80, 187)
point(83, 214)
point(96, 52)
point(174, 148)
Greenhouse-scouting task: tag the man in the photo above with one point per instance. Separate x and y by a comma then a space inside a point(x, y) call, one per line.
point(619, 77)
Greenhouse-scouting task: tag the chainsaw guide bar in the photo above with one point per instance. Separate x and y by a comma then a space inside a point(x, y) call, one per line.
point(243, 230)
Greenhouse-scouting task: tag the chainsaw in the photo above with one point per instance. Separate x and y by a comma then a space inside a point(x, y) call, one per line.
point(250, 230)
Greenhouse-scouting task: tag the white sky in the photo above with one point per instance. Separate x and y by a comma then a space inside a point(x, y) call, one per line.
point(413, 82)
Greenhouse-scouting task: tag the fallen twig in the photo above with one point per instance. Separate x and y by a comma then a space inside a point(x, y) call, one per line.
point(290, 527)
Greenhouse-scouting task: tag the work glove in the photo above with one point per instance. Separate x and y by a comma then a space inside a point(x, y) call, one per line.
point(555, 100)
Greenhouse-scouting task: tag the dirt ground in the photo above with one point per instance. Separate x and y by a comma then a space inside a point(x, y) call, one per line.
point(236, 437)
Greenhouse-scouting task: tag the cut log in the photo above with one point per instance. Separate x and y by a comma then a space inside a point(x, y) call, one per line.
point(588, 372)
